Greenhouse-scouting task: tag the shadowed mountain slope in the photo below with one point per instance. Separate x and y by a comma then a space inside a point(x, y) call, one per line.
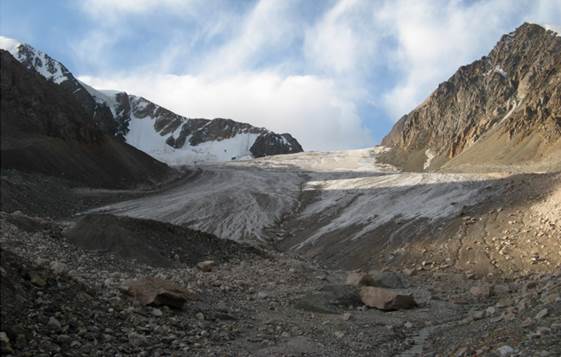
point(46, 130)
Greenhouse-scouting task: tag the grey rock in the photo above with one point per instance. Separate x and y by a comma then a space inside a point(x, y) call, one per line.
point(54, 324)
point(388, 279)
point(206, 266)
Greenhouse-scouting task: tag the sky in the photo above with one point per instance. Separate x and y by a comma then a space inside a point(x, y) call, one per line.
point(336, 74)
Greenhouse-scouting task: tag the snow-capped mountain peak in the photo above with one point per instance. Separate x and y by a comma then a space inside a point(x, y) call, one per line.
point(159, 132)
point(32, 58)
point(178, 140)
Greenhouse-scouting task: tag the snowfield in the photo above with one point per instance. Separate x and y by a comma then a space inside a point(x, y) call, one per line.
point(309, 196)
point(144, 137)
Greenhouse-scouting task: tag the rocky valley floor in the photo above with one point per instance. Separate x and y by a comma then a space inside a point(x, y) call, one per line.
point(480, 254)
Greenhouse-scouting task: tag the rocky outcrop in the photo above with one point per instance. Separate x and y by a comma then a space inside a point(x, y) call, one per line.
point(502, 109)
point(270, 143)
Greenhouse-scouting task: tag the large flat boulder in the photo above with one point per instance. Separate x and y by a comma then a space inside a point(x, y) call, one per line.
point(158, 292)
point(385, 299)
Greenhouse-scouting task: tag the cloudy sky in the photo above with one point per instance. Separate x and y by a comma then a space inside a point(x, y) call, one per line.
point(335, 74)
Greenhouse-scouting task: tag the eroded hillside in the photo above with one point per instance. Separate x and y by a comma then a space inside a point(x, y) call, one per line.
point(504, 108)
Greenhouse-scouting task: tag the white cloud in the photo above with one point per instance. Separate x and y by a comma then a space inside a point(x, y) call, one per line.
point(274, 67)
point(269, 25)
point(434, 38)
point(310, 108)
point(343, 40)
point(109, 9)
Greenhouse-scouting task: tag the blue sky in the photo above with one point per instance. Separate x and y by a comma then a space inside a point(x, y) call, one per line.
point(336, 74)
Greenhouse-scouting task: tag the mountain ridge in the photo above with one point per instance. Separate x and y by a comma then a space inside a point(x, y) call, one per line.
point(169, 137)
point(510, 97)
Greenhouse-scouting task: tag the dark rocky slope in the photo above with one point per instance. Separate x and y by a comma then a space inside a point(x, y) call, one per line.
point(504, 109)
point(46, 130)
point(151, 242)
point(56, 72)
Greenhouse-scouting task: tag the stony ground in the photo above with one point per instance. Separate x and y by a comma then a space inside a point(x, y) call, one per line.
point(56, 300)
point(486, 276)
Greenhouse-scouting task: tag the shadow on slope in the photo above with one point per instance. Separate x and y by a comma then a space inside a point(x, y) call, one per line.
point(153, 243)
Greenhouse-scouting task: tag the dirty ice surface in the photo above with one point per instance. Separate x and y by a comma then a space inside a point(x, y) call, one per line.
point(243, 200)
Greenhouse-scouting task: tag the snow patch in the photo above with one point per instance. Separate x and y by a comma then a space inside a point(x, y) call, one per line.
point(507, 115)
point(430, 155)
point(500, 71)
point(497, 69)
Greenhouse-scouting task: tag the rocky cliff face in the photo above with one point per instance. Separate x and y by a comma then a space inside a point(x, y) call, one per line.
point(502, 109)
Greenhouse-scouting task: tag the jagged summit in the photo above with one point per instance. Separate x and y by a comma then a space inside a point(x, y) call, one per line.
point(164, 135)
point(37, 60)
point(503, 109)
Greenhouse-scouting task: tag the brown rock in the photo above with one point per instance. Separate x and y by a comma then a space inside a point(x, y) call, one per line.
point(359, 278)
point(385, 299)
point(158, 292)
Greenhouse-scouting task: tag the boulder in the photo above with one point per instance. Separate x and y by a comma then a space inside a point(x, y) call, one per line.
point(158, 292)
point(206, 266)
point(385, 299)
point(359, 278)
